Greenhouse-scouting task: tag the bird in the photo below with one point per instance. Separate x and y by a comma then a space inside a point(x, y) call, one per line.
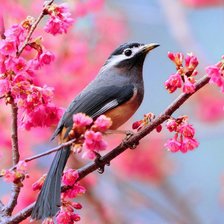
point(117, 92)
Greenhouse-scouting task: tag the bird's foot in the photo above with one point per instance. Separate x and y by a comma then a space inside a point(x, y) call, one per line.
point(100, 164)
point(129, 134)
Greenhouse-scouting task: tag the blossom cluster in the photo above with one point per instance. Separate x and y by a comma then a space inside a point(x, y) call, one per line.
point(216, 74)
point(67, 213)
point(185, 75)
point(18, 67)
point(60, 19)
point(89, 134)
point(183, 139)
point(16, 175)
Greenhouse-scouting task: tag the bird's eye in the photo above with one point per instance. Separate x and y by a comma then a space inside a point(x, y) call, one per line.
point(128, 52)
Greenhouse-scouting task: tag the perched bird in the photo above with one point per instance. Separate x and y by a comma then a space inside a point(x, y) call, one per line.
point(117, 91)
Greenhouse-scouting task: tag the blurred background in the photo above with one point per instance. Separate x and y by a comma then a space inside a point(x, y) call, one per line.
point(148, 185)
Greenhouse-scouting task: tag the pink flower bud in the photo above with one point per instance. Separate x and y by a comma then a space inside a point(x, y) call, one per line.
point(102, 123)
point(39, 183)
point(76, 205)
point(173, 83)
point(171, 125)
point(188, 87)
point(188, 144)
point(69, 177)
point(159, 128)
point(173, 145)
point(215, 75)
point(171, 56)
point(136, 124)
point(81, 120)
point(8, 47)
point(46, 58)
point(187, 130)
point(94, 141)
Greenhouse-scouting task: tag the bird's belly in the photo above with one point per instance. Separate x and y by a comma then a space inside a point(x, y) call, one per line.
point(122, 113)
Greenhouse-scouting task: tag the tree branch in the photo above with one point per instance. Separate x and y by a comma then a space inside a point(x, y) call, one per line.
point(106, 159)
point(15, 159)
point(2, 27)
point(33, 27)
point(84, 171)
point(20, 216)
point(14, 134)
point(55, 149)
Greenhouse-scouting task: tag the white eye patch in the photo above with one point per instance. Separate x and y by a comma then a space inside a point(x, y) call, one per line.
point(116, 59)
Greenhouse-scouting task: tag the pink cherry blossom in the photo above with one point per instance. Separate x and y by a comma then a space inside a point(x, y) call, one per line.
point(48, 221)
point(188, 144)
point(44, 115)
point(22, 167)
point(60, 19)
point(177, 58)
point(171, 125)
point(216, 76)
point(137, 124)
point(73, 192)
point(173, 145)
point(8, 47)
point(67, 217)
point(69, 177)
point(17, 33)
point(188, 86)
point(46, 58)
point(20, 65)
point(102, 123)
point(4, 87)
point(173, 82)
point(76, 205)
point(191, 62)
point(185, 73)
point(64, 217)
point(183, 139)
point(9, 175)
point(81, 120)
point(39, 183)
point(94, 141)
point(187, 130)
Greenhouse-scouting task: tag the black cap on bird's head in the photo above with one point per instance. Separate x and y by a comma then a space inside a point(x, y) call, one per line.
point(129, 55)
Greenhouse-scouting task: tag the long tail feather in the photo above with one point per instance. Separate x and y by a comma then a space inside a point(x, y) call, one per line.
point(48, 201)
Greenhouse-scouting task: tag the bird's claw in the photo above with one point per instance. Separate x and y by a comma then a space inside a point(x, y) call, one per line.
point(100, 164)
point(129, 134)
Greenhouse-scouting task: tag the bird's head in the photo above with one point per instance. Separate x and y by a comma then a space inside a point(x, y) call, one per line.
point(129, 55)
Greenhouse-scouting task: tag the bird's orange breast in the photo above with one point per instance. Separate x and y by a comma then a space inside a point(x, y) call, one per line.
point(120, 114)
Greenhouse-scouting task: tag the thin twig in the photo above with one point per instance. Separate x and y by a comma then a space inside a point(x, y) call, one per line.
point(15, 159)
point(106, 159)
point(55, 149)
point(20, 216)
point(33, 27)
point(1, 97)
point(2, 27)
point(14, 134)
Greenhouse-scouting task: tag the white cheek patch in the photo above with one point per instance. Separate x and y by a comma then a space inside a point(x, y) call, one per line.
point(116, 59)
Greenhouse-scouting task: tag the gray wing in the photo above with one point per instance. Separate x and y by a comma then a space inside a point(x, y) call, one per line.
point(94, 103)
